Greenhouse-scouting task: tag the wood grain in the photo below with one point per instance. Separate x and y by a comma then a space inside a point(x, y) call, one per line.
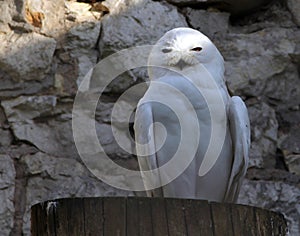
point(137, 216)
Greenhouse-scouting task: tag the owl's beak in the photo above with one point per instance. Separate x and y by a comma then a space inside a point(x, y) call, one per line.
point(181, 64)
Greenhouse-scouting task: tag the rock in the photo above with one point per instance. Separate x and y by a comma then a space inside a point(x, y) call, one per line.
point(143, 22)
point(233, 6)
point(136, 23)
point(209, 23)
point(272, 175)
point(110, 145)
point(283, 90)
point(51, 178)
point(104, 133)
point(79, 12)
point(26, 58)
point(264, 128)
point(274, 195)
point(65, 74)
point(7, 188)
point(6, 137)
point(6, 9)
point(189, 2)
point(6, 12)
point(12, 88)
point(28, 108)
point(289, 143)
point(83, 36)
point(273, 16)
point(78, 52)
point(247, 70)
point(288, 135)
point(293, 163)
point(44, 122)
point(294, 7)
point(47, 15)
point(81, 41)
point(271, 76)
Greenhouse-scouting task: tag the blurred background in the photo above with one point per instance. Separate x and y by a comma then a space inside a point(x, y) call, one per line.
point(47, 47)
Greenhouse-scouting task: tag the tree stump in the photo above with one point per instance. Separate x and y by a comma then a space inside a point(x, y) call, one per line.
point(132, 216)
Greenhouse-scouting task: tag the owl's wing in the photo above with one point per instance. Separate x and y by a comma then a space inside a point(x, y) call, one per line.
point(144, 135)
point(240, 135)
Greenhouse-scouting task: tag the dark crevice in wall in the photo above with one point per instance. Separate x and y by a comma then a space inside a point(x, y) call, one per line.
point(19, 197)
point(280, 163)
point(97, 46)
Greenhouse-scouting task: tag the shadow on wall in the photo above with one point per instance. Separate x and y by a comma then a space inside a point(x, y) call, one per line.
point(47, 48)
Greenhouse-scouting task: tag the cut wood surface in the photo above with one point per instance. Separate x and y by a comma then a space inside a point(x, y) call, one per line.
point(139, 216)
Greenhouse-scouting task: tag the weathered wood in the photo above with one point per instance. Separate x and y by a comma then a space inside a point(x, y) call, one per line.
point(175, 217)
point(198, 218)
point(93, 223)
point(114, 215)
point(159, 216)
point(221, 217)
point(132, 217)
point(135, 216)
point(145, 217)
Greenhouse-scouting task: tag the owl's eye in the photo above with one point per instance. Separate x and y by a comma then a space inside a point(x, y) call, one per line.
point(196, 49)
point(166, 50)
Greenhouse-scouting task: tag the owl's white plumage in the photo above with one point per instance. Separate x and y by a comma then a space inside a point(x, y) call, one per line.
point(186, 60)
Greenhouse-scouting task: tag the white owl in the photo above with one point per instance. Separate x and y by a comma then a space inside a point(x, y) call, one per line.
point(187, 102)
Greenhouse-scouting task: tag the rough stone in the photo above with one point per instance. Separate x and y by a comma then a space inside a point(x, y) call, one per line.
point(273, 175)
point(51, 178)
point(209, 23)
point(248, 69)
point(264, 127)
point(274, 195)
point(233, 6)
point(44, 122)
point(47, 15)
point(11, 88)
point(294, 7)
point(81, 41)
point(288, 133)
point(140, 22)
point(293, 163)
point(79, 12)
point(134, 23)
point(5, 135)
point(283, 90)
point(290, 143)
point(108, 142)
point(6, 8)
point(7, 188)
point(273, 16)
point(83, 36)
point(66, 73)
point(26, 57)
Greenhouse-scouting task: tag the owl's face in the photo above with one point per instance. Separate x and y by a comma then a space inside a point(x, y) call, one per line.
point(184, 47)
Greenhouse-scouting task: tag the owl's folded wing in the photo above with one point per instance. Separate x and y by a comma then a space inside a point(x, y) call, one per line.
point(145, 149)
point(240, 135)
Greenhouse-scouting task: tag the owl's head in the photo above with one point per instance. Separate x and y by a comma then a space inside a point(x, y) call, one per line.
point(181, 48)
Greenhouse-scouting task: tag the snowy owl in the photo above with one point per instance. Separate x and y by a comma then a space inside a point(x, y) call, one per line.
point(187, 112)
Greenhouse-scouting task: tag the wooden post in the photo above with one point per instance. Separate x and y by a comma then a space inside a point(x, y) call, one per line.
point(132, 216)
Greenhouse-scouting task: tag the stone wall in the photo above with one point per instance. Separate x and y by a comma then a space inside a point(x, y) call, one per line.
point(47, 47)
